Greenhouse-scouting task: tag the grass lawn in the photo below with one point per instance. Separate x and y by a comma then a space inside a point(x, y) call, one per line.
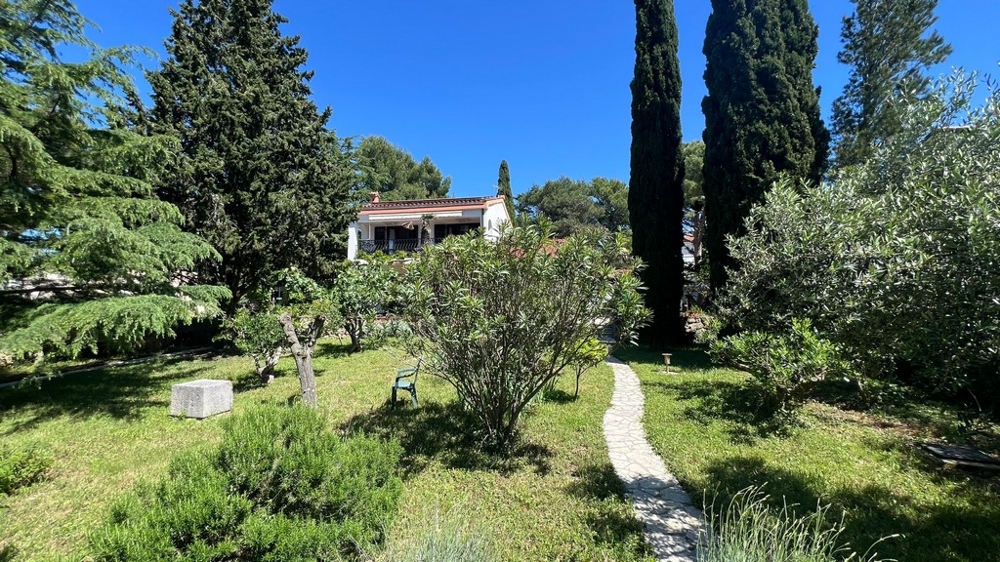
point(556, 498)
point(704, 422)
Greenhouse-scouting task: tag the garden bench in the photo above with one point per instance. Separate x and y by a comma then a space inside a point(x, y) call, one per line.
point(406, 379)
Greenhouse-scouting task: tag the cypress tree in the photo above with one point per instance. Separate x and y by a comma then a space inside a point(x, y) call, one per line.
point(260, 176)
point(888, 46)
point(761, 113)
point(503, 188)
point(656, 191)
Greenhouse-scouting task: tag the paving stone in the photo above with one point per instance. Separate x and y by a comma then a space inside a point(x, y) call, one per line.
point(671, 520)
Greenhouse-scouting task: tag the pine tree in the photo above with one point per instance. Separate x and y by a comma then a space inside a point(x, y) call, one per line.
point(260, 175)
point(761, 113)
point(503, 188)
point(888, 46)
point(656, 192)
point(88, 256)
point(392, 171)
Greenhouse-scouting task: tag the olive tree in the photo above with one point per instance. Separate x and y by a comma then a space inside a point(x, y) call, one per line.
point(501, 319)
point(896, 262)
point(363, 290)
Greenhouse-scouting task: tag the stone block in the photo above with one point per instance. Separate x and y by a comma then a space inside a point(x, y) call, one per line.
point(201, 399)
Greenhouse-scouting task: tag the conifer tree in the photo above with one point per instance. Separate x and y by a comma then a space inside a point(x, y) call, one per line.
point(761, 113)
point(889, 46)
point(656, 191)
point(503, 188)
point(260, 176)
point(88, 256)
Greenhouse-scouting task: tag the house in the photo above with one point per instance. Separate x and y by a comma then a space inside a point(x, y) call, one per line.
point(407, 226)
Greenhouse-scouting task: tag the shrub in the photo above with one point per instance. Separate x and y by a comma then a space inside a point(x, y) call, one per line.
point(499, 319)
point(258, 335)
point(747, 530)
point(787, 366)
point(894, 261)
point(280, 487)
point(21, 466)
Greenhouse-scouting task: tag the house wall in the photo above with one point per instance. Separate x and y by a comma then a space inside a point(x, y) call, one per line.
point(493, 220)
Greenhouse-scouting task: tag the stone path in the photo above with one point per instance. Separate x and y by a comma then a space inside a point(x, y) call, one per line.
point(671, 520)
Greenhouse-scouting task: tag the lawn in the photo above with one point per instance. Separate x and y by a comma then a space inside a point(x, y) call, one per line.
point(705, 424)
point(555, 498)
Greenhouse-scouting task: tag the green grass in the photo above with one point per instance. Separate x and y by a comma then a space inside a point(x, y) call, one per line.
point(555, 498)
point(706, 425)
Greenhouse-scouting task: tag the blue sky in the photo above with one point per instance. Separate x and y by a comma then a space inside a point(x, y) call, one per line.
point(543, 84)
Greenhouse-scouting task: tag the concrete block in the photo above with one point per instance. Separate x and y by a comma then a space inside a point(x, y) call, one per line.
point(201, 399)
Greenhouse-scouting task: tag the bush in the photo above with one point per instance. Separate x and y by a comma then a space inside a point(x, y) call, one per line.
point(499, 319)
point(280, 487)
point(258, 335)
point(787, 366)
point(748, 530)
point(894, 261)
point(21, 466)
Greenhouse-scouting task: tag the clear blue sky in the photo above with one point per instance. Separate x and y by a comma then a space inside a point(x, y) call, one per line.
point(543, 84)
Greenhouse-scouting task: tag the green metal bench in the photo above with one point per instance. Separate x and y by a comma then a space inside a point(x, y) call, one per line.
point(406, 379)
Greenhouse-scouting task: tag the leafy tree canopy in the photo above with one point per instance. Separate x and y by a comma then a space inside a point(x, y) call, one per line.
point(88, 256)
point(575, 205)
point(896, 262)
point(889, 46)
point(394, 173)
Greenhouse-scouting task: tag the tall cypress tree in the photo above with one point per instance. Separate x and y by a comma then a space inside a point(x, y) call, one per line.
point(503, 188)
point(260, 176)
point(656, 190)
point(889, 46)
point(761, 113)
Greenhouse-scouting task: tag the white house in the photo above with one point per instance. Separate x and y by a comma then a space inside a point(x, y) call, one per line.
point(407, 226)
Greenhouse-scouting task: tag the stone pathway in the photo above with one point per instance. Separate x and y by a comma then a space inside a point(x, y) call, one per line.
point(671, 520)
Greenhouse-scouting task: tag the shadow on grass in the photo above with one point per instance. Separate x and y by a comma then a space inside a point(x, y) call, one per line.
point(443, 433)
point(121, 393)
point(741, 405)
point(611, 521)
point(559, 396)
point(333, 349)
point(962, 528)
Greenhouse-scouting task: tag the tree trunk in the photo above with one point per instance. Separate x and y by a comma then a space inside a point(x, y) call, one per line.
point(302, 353)
point(355, 326)
point(270, 361)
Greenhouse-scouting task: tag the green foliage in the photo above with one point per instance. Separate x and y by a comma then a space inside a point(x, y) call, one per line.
point(749, 530)
point(259, 175)
point(694, 173)
point(503, 188)
point(888, 46)
point(500, 319)
point(21, 467)
point(363, 290)
point(656, 184)
point(592, 353)
point(787, 365)
point(762, 112)
point(257, 334)
point(281, 486)
point(87, 256)
point(572, 206)
point(394, 174)
point(891, 262)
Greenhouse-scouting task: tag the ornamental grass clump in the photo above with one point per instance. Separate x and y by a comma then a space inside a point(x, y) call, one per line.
point(749, 530)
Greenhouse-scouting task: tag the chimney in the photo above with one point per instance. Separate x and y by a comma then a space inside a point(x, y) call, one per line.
point(374, 196)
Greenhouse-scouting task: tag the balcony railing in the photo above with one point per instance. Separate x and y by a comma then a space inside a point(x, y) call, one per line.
point(397, 245)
